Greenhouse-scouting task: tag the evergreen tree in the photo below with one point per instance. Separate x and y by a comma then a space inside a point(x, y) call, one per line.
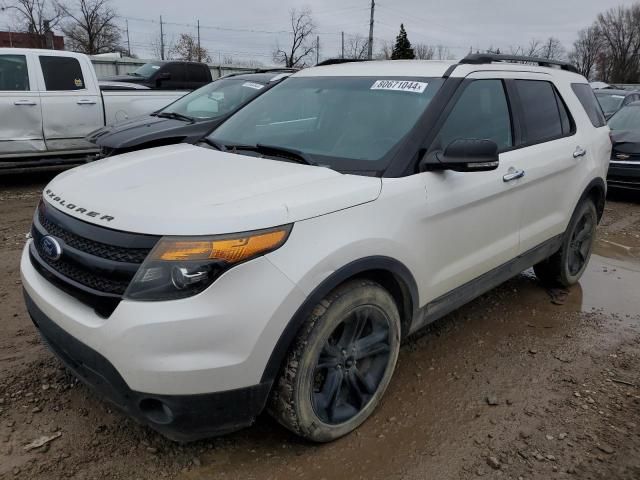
point(402, 49)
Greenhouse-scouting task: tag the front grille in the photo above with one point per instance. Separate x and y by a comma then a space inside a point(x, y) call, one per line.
point(110, 252)
point(96, 266)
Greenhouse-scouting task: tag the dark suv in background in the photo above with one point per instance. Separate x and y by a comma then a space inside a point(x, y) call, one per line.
point(172, 75)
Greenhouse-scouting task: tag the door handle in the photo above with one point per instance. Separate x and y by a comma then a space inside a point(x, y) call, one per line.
point(24, 102)
point(513, 174)
point(580, 152)
point(86, 101)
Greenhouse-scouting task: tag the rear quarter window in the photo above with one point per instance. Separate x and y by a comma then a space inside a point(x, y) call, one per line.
point(590, 103)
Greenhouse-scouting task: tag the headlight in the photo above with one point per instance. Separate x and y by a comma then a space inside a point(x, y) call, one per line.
point(180, 267)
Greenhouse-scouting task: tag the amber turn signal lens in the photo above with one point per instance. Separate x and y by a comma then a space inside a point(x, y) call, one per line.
point(230, 249)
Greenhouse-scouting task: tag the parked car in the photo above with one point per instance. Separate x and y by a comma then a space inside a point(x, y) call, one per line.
point(612, 100)
point(167, 75)
point(624, 169)
point(282, 264)
point(50, 101)
point(189, 118)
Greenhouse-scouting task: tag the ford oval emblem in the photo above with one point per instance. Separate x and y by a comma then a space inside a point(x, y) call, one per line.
point(51, 248)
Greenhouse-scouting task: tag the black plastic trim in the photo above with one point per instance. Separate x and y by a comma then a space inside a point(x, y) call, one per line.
point(375, 263)
point(460, 296)
point(182, 418)
point(487, 58)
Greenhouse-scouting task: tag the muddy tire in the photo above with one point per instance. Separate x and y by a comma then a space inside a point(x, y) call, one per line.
point(340, 364)
point(567, 265)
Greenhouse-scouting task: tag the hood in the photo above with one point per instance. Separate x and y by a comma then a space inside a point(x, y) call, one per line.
point(149, 128)
point(188, 190)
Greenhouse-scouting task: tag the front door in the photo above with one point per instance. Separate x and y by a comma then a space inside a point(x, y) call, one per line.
point(21, 125)
point(471, 219)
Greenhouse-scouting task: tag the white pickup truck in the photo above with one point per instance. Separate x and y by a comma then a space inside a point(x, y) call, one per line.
point(50, 100)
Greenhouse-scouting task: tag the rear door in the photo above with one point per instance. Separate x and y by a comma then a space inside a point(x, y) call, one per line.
point(21, 125)
point(71, 104)
point(552, 152)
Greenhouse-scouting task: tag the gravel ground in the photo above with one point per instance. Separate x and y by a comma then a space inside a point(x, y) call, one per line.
point(521, 383)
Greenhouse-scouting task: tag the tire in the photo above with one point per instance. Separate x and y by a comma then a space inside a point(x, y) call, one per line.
point(328, 386)
point(566, 266)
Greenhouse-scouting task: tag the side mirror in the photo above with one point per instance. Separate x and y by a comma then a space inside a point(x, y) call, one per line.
point(464, 155)
point(164, 76)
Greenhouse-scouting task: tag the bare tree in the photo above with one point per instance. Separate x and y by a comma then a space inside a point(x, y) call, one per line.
point(34, 16)
point(443, 53)
point(423, 51)
point(90, 27)
point(552, 49)
point(533, 49)
point(186, 48)
point(586, 50)
point(386, 49)
point(357, 46)
point(302, 29)
point(620, 32)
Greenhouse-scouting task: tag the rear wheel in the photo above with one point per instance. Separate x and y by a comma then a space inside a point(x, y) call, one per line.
point(341, 363)
point(566, 266)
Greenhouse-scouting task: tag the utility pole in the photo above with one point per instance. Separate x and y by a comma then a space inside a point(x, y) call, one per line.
point(199, 49)
point(342, 44)
point(128, 42)
point(317, 49)
point(161, 40)
point(370, 52)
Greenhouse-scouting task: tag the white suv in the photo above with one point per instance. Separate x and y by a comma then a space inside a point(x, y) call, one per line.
point(280, 264)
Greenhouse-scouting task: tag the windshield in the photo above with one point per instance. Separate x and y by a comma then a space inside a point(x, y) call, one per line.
point(348, 123)
point(610, 102)
point(147, 69)
point(216, 99)
point(626, 119)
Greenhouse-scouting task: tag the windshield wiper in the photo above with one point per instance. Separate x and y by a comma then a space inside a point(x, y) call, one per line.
point(175, 115)
point(276, 151)
point(214, 144)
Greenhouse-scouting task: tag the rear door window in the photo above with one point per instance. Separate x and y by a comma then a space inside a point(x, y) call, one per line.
point(481, 112)
point(62, 73)
point(14, 75)
point(545, 115)
point(590, 103)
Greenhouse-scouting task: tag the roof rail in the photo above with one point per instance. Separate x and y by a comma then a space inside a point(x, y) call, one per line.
point(484, 58)
point(338, 61)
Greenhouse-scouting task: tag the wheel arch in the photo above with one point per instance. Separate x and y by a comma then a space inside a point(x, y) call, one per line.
point(390, 273)
point(596, 190)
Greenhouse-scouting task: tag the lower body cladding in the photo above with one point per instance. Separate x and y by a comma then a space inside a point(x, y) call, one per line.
point(624, 174)
point(190, 368)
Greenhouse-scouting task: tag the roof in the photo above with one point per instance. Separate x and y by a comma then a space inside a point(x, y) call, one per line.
point(613, 91)
point(380, 68)
point(427, 68)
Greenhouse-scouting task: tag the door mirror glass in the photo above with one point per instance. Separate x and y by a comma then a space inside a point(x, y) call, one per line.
point(464, 155)
point(164, 76)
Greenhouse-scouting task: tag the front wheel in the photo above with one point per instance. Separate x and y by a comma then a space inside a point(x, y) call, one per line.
point(340, 364)
point(566, 266)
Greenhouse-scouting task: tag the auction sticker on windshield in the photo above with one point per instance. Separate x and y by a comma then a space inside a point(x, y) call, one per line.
point(400, 86)
point(256, 86)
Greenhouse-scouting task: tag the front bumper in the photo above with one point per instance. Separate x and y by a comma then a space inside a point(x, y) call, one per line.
point(178, 417)
point(189, 368)
point(623, 174)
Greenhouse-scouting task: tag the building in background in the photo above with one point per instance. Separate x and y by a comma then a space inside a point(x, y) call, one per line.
point(31, 40)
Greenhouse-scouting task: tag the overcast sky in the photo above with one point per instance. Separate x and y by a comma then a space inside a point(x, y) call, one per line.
point(249, 29)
